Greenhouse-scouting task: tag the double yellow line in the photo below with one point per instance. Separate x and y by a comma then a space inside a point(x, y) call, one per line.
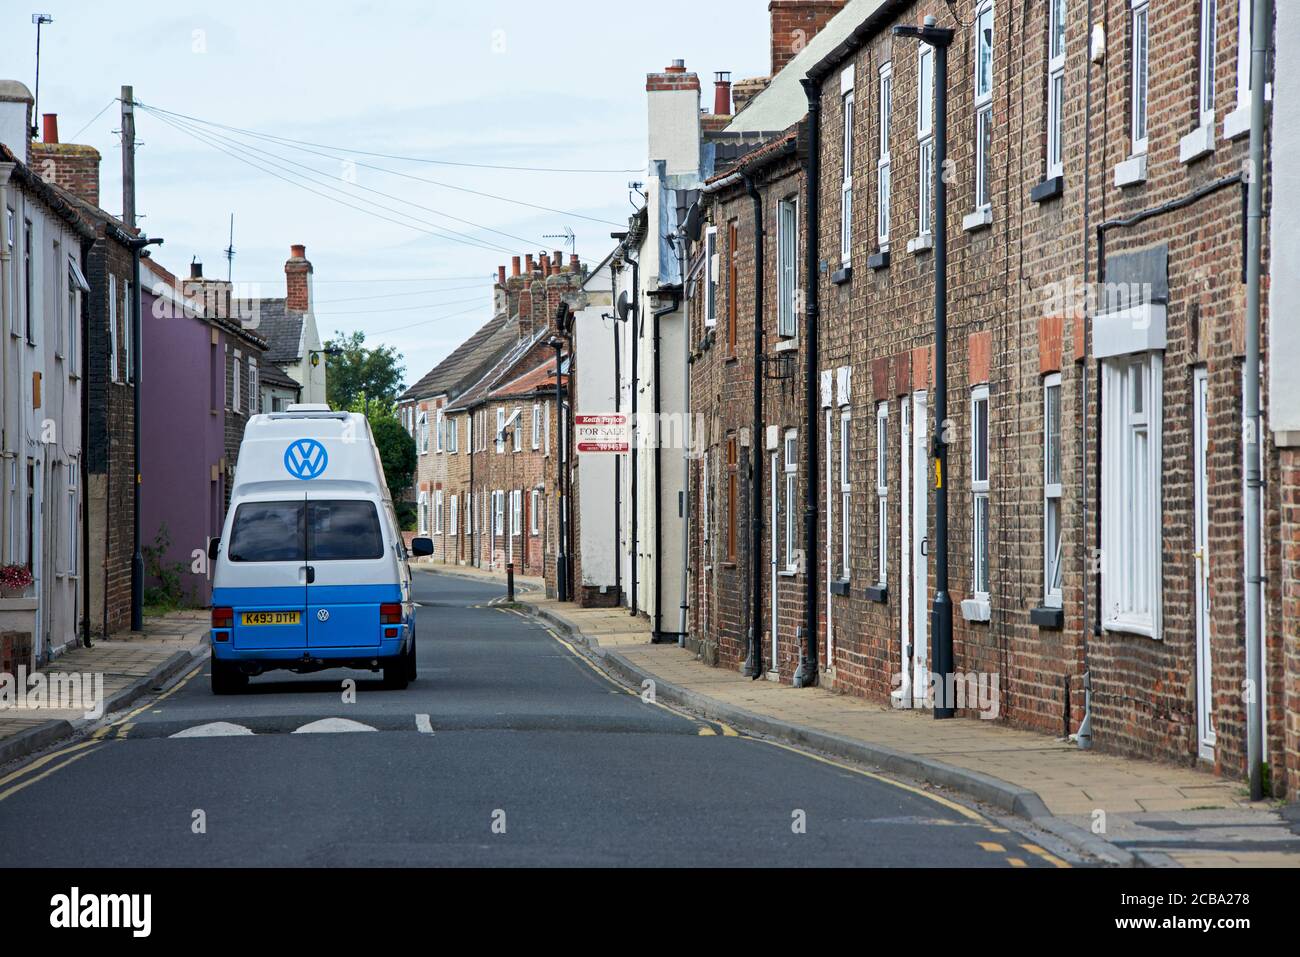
point(11, 784)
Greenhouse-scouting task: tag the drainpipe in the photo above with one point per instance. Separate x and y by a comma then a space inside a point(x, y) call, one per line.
point(657, 635)
point(83, 465)
point(806, 675)
point(137, 557)
point(636, 427)
point(687, 432)
point(755, 664)
point(1261, 28)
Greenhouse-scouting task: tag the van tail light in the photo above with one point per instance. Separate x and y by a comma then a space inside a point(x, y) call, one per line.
point(223, 617)
point(390, 613)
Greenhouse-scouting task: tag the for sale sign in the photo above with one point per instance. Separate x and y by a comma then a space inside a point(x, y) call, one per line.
point(607, 432)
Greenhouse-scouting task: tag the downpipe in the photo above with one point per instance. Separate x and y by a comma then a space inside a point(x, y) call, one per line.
point(754, 665)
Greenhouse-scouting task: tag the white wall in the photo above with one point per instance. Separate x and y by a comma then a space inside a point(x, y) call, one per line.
point(1283, 347)
point(594, 388)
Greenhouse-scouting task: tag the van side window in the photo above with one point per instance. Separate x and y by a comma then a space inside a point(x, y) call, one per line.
point(268, 532)
point(344, 531)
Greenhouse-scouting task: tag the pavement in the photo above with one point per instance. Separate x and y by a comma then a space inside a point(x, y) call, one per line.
point(129, 664)
point(1128, 811)
point(509, 749)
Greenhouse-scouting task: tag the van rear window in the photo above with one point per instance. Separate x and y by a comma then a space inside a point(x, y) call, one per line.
point(268, 532)
point(342, 530)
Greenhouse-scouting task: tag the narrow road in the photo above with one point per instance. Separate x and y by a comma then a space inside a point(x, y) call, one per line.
point(509, 749)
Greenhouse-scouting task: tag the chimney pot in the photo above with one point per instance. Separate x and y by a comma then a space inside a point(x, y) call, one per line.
point(51, 127)
point(196, 270)
point(677, 66)
point(514, 265)
point(722, 93)
point(501, 275)
point(575, 264)
point(528, 264)
point(298, 251)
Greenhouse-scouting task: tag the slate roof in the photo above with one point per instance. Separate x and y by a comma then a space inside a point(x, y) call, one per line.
point(469, 360)
point(537, 379)
point(484, 385)
point(272, 375)
point(281, 328)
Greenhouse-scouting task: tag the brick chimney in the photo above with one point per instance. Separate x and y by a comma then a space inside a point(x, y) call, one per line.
point(743, 91)
point(673, 103)
point(297, 276)
point(213, 295)
point(794, 23)
point(75, 168)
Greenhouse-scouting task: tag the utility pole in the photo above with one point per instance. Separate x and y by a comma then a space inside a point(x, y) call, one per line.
point(128, 218)
point(939, 38)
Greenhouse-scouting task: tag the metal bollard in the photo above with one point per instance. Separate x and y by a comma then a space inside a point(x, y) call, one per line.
point(510, 581)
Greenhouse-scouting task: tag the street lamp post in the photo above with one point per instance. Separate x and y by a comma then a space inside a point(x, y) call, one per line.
point(939, 38)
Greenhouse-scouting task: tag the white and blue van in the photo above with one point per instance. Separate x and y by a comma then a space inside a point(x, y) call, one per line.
point(311, 571)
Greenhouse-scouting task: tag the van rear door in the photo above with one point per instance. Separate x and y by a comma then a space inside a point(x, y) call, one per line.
point(268, 573)
point(351, 573)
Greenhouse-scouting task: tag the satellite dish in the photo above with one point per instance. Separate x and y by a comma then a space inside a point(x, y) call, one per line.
point(693, 223)
point(624, 305)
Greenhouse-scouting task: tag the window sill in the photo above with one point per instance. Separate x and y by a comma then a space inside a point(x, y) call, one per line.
point(1237, 123)
point(920, 244)
point(840, 277)
point(1052, 619)
point(787, 344)
point(1143, 629)
point(876, 593)
point(1197, 144)
point(788, 573)
point(840, 587)
point(980, 219)
point(1050, 188)
point(1131, 172)
point(976, 609)
point(878, 260)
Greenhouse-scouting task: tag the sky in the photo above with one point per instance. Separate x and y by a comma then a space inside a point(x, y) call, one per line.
point(553, 86)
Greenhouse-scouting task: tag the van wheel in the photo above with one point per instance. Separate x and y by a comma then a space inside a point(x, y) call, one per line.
point(398, 670)
point(227, 678)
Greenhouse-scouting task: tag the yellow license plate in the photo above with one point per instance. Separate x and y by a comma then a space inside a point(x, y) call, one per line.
point(271, 617)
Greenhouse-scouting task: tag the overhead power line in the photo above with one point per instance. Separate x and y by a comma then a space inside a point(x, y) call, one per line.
point(419, 179)
point(397, 295)
point(372, 312)
point(395, 156)
point(425, 226)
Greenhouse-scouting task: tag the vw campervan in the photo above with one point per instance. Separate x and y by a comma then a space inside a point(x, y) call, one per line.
point(311, 571)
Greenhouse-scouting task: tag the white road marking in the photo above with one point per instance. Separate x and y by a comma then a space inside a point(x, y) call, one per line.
point(423, 724)
point(215, 729)
point(332, 726)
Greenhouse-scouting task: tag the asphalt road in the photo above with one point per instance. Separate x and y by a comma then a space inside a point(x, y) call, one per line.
point(509, 749)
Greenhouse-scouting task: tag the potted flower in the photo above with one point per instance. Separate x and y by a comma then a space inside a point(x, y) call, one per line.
point(14, 580)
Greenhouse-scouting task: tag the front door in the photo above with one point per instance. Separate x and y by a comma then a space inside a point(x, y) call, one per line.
point(349, 573)
point(919, 657)
point(1201, 519)
point(774, 551)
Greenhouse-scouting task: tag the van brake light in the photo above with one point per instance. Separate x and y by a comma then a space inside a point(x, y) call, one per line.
point(390, 613)
point(223, 617)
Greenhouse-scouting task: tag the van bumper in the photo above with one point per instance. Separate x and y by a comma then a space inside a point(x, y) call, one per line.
point(305, 660)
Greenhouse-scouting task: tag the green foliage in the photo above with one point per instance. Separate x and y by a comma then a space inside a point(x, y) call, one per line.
point(396, 452)
point(167, 594)
point(354, 371)
point(407, 515)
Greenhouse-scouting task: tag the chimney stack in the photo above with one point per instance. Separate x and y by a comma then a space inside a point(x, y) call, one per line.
point(297, 275)
point(72, 167)
point(795, 23)
point(16, 119)
point(673, 106)
point(722, 93)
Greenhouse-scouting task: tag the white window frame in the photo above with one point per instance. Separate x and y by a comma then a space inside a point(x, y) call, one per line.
point(236, 378)
point(516, 512)
point(882, 493)
point(254, 386)
point(423, 514)
point(112, 328)
point(846, 181)
point(518, 430)
point(883, 184)
point(1139, 67)
point(537, 425)
point(453, 435)
point(846, 489)
point(1207, 60)
point(980, 469)
point(499, 512)
point(437, 512)
point(1053, 498)
point(788, 266)
point(423, 425)
point(501, 430)
point(534, 506)
point(1131, 585)
point(983, 88)
point(791, 472)
point(127, 331)
point(455, 515)
point(925, 139)
point(546, 429)
point(74, 520)
point(711, 276)
point(1056, 88)
point(440, 424)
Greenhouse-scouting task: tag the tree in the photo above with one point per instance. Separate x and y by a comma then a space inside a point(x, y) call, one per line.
point(396, 453)
point(353, 370)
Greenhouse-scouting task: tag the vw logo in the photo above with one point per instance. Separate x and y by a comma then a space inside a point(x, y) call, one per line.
point(305, 459)
point(323, 615)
